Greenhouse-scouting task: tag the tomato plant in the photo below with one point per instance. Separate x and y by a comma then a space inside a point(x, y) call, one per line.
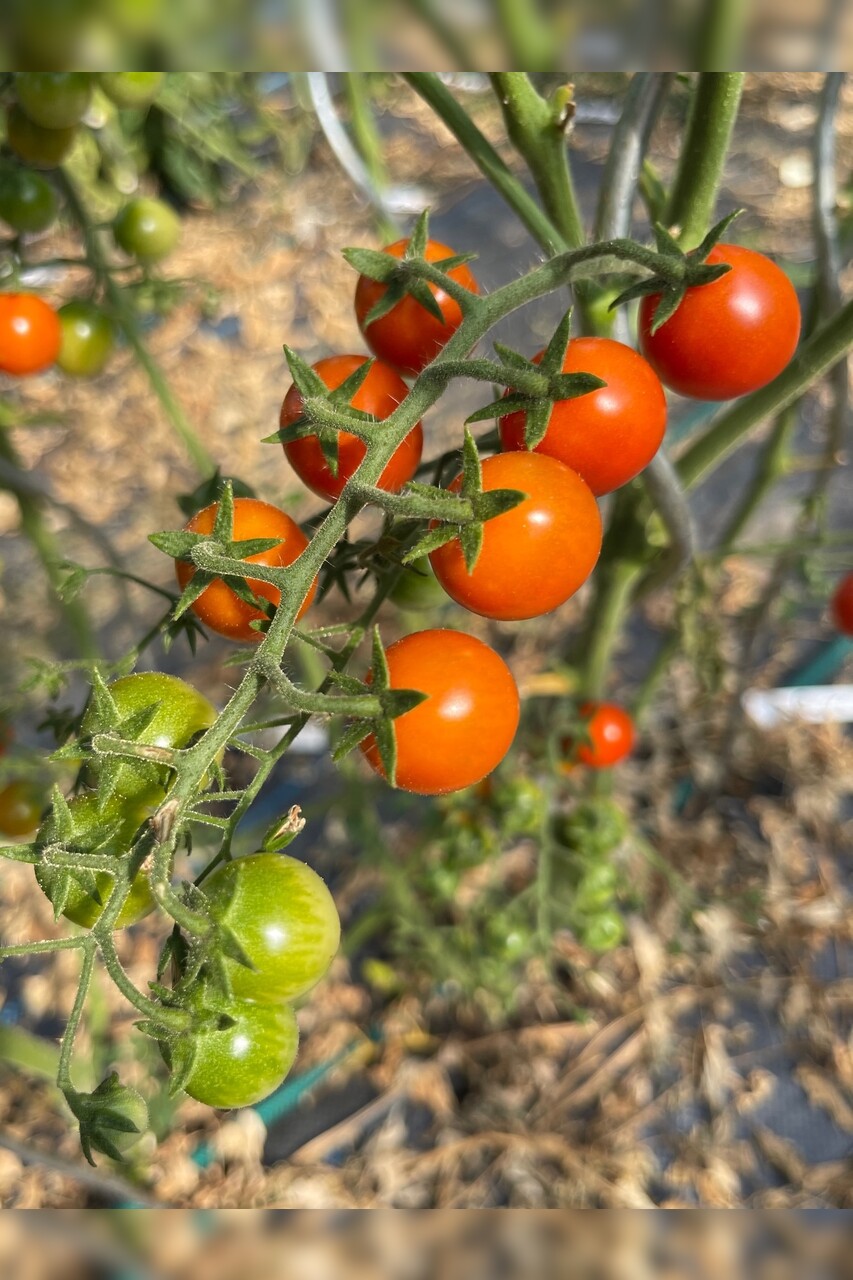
point(611, 735)
point(147, 229)
point(54, 99)
point(842, 605)
point(729, 337)
point(283, 918)
point(239, 1064)
point(21, 803)
point(417, 587)
point(218, 606)
point(44, 148)
point(27, 200)
point(466, 724)
point(408, 336)
point(87, 339)
point(608, 436)
point(30, 334)
point(131, 88)
point(537, 555)
point(379, 395)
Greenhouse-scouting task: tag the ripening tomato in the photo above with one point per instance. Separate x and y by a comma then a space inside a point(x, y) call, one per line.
point(218, 606)
point(147, 229)
point(407, 336)
point(729, 337)
point(44, 148)
point(131, 88)
point(466, 724)
point(537, 555)
point(87, 339)
point(611, 735)
point(842, 605)
point(283, 917)
point(27, 200)
point(608, 436)
point(54, 99)
point(244, 1062)
point(379, 395)
point(21, 803)
point(30, 334)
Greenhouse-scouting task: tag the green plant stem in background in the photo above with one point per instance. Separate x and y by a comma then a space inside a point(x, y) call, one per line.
point(447, 35)
point(529, 39)
point(613, 587)
point(713, 111)
point(719, 34)
point(368, 142)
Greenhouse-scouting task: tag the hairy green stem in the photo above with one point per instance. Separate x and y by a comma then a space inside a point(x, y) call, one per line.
point(719, 35)
point(530, 40)
point(63, 1074)
point(716, 98)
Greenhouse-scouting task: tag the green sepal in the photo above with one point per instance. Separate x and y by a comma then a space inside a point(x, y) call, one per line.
point(209, 492)
point(639, 289)
point(306, 380)
point(394, 293)
point(555, 353)
point(350, 738)
point(177, 543)
point(568, 386)
point(512, 359)
point(372, 263)
point(416, 247)
point(666, 242)
point(719, 229)
point(431, 541)
point(347, 683)
point(397, 702)
point(497, 502)
point(536, 422)
point(499, 408)
point(423, 294)
point(180, 1055)
point(173, 954)
point(100, 1116)
point(670, 301)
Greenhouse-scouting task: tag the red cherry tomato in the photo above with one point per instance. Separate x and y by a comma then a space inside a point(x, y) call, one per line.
point(608, 436)
point(407, 336)
point(379, 395)
point(842, 605)
point(729, 337)
point(611, 733)
point(30, 334)
point(218, 606)
point(465, 726)
point(536, 555)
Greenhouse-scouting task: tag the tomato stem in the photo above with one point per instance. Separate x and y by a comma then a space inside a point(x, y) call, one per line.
point(713, 111)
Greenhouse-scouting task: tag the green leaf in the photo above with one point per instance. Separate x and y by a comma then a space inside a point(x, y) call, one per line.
point(252, 547)
point(182, 1055)
point(456, 260)
point(394, 293)
point(372, 263)
point(195, 587)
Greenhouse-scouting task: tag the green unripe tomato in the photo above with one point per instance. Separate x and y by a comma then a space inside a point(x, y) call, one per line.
point(603, 931)
point(44, 148)
point(147, 229)
point(88, 825)
point(87, 339)
point(54, 99)
point(181, 713)
point(21, 803)
point(27, 200)
point(596, 887)
point(131, 88)
point(417, 587)
point(130, 1105)
point(243, 1063)
point(282, 916)
point(593, 827)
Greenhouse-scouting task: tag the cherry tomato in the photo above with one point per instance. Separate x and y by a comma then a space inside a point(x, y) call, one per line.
point(181, 713)
point(417, 587)
point(379, 395)
point(21, 803)
point(729, 337)
point(246, 1061)
point(608, 436)
point(27, 200)
point(44, 148)
point(842, 605)
point(465, 726)
point(611, 735)
point(407, 336)
point(131, 88)
point(536, 555)
point(89, 822)
point(30, 334)
point(87, 339)
point(130, 1105)
point(219, 607)
point(147, 229)
point(54, 99)
point(603, 931)
point(283, 917)
point(596, 887)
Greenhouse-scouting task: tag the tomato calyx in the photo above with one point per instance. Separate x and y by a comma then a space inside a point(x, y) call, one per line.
point(694, 270)
point(112, 1117)
point(538, 405)
point(326, 411)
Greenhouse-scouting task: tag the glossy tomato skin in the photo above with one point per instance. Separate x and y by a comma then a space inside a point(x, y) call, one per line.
point(379, 395)
point(87, 339)
point(537, 555)
point(27, 201)
point(147, 229)
point(465, 726)
point(607, 436)
point(88, 820)
point(219, 607)
point(283, 917)
point(54, 99)
point(611, 733)
point(729, 337)
point(243, 1063)
point(30, 334)
point(408, 337)
point(131, 88)
point(842, 605)
point(21, 803)
point(182, 713)
point(44, 148)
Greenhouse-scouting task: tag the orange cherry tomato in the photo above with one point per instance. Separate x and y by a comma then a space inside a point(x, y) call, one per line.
point(611, 733)
point(465, 726)
point(379, 395)
point(30, 334)
point(608, 436)
point(218, 606)
point(407, 336)
point(536, 555)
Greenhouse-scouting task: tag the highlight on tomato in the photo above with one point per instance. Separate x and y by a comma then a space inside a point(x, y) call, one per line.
point(242, 1062)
